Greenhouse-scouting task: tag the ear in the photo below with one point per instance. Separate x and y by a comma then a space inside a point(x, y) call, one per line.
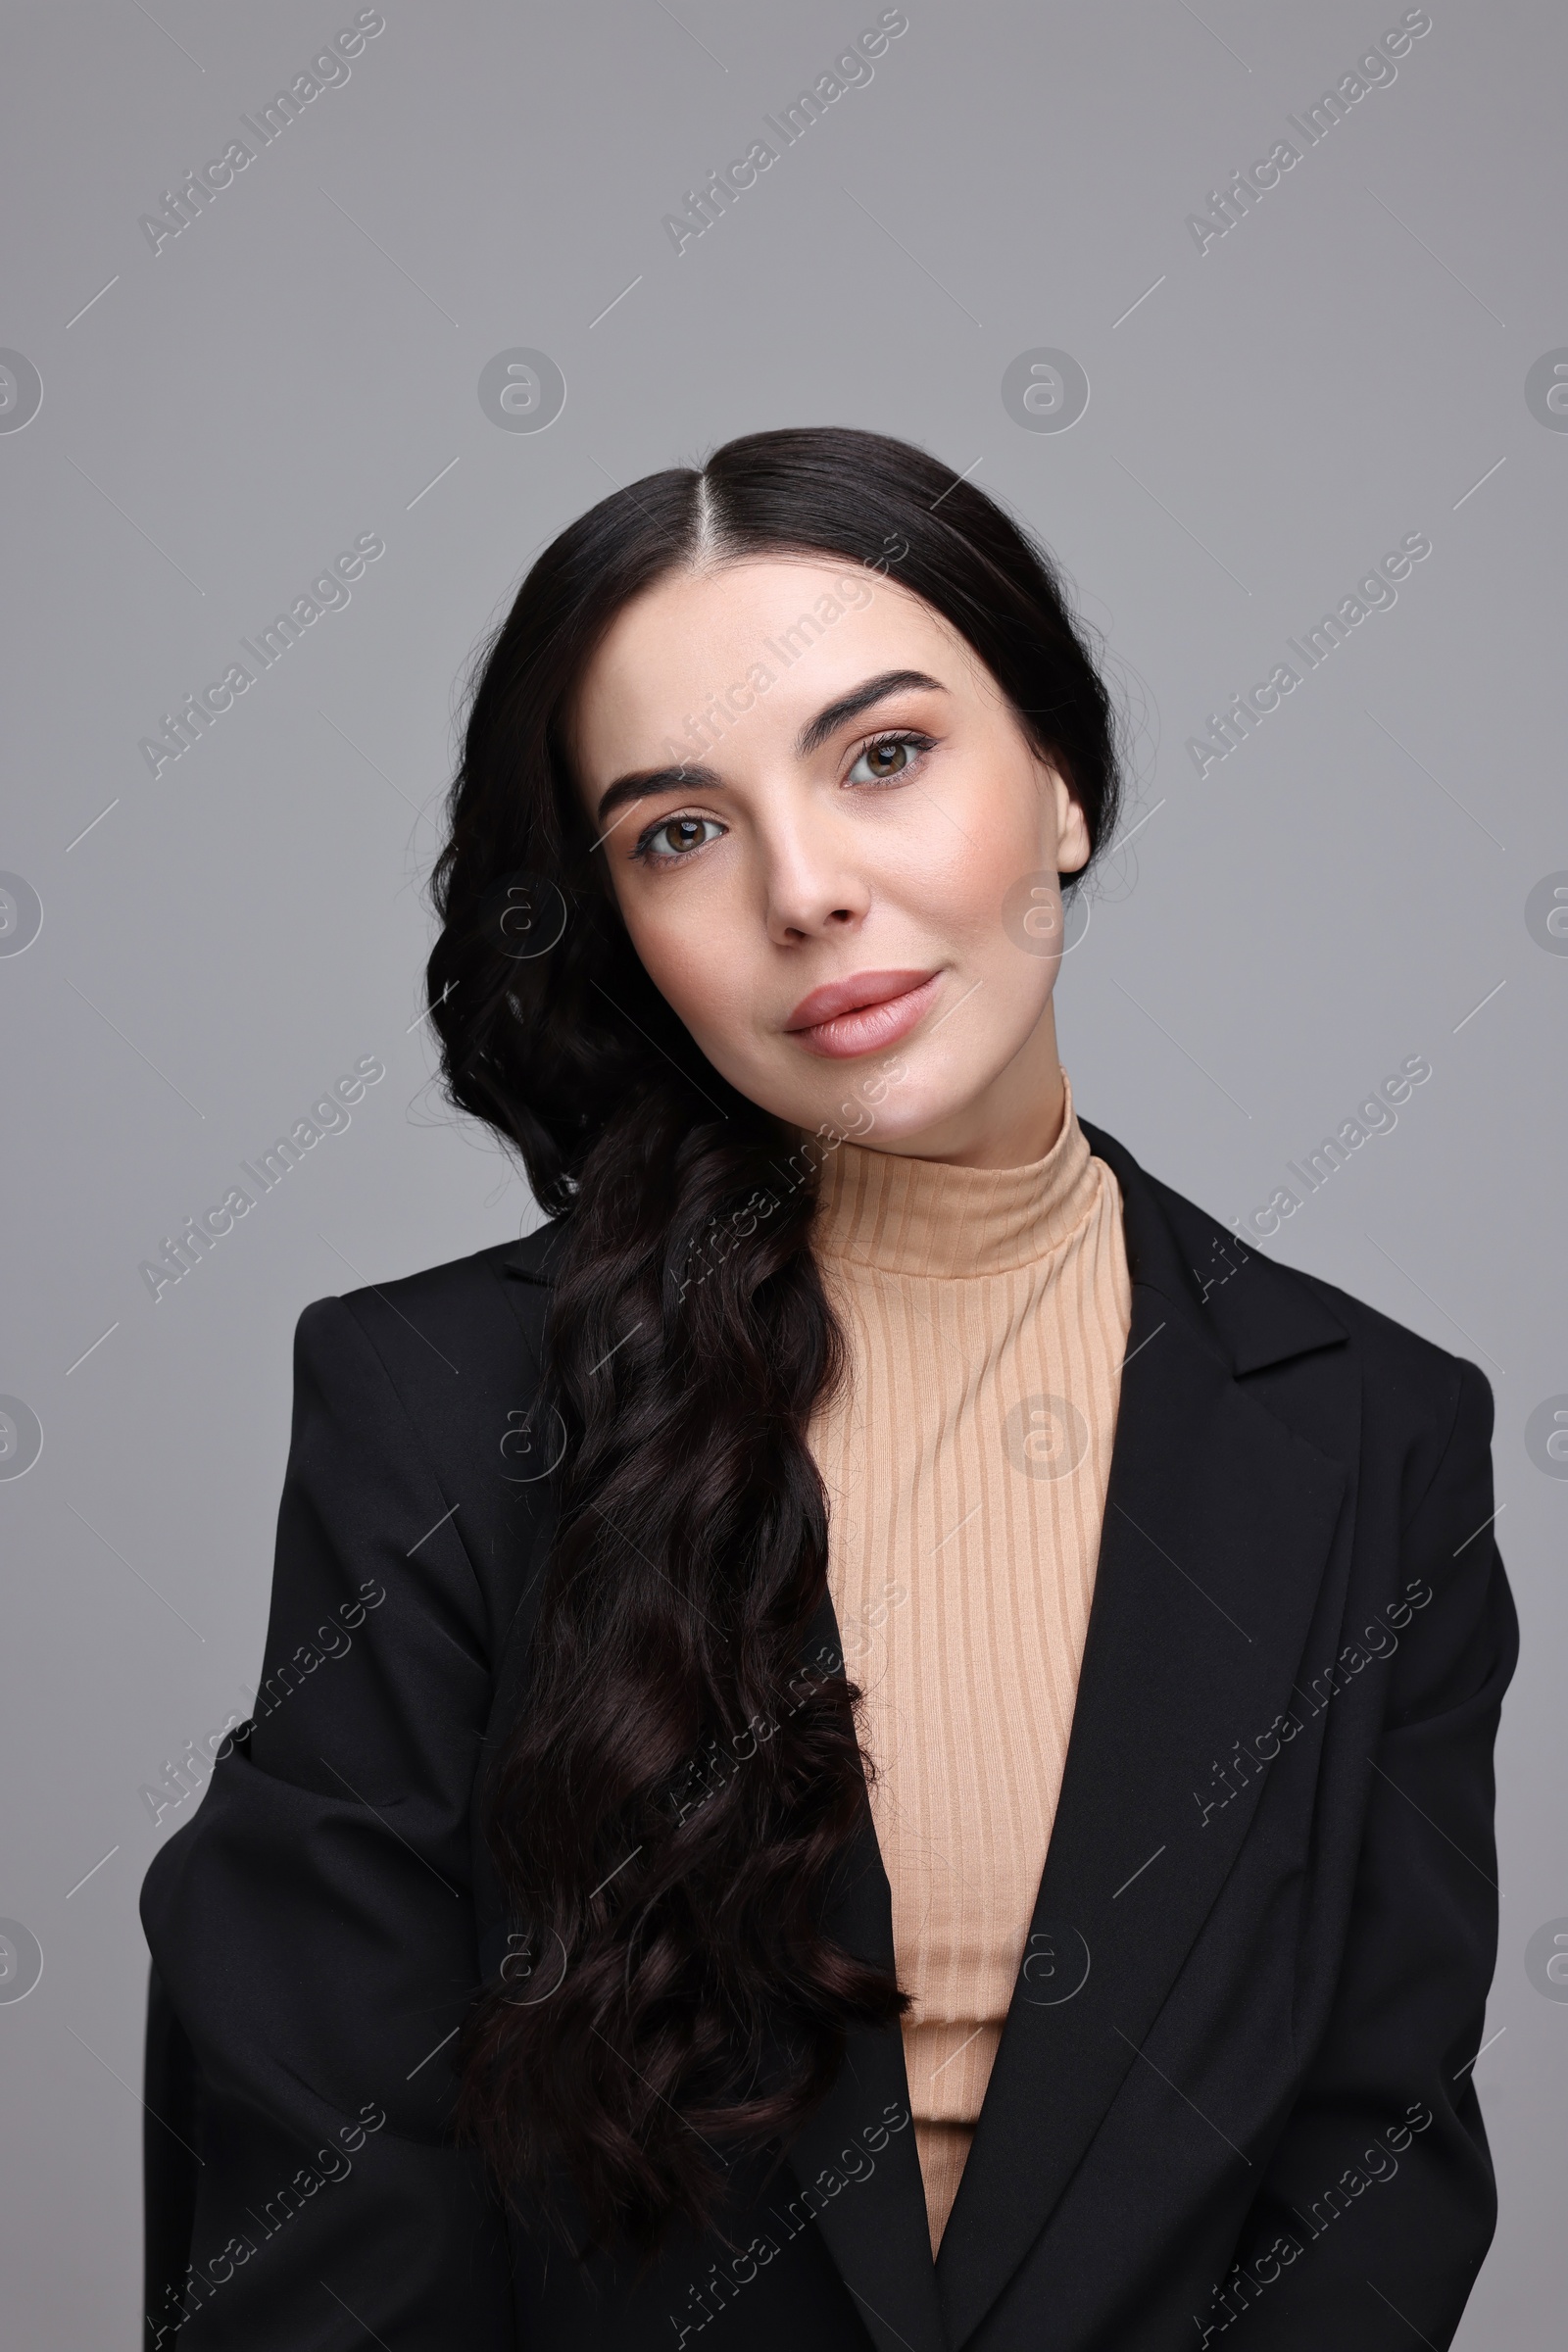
point(1072, 827)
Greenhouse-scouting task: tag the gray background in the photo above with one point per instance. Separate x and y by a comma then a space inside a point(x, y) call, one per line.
point(293, 370)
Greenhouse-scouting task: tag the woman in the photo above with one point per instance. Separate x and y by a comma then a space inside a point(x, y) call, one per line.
point(909, 1757)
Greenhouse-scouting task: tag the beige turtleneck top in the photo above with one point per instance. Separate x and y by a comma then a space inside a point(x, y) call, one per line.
point(966, 1463)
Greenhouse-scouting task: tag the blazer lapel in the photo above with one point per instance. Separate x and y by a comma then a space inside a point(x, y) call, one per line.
point(1218, 1524)
point(857, 2151)
point(875, 2223)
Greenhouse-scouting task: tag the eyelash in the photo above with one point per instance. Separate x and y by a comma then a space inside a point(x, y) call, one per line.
point(644, 853)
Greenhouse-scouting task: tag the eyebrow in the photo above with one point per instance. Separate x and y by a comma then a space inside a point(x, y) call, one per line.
point(643, 784)
point(849, 706)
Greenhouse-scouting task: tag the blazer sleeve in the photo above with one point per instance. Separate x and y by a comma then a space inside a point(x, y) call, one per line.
point(1382, 2182)
point(313, 1927)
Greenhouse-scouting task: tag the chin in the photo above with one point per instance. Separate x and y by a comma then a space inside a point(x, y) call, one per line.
point(894, 1124)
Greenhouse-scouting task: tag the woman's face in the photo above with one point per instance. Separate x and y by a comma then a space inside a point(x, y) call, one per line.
point(834, 852)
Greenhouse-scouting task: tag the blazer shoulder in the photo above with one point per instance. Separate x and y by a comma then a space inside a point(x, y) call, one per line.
point(469, 1322)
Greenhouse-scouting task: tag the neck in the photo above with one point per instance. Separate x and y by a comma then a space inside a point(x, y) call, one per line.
point(1011, 1123)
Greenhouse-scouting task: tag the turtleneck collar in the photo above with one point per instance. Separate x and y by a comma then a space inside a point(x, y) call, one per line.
point(922, 1216)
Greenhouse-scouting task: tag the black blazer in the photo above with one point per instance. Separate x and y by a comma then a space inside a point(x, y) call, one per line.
point(1233, 2094)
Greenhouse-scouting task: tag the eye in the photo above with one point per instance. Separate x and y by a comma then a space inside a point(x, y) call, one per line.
point(889, 758)
point(675, 837)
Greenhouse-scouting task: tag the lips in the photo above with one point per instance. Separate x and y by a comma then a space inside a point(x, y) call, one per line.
point(868, 1011)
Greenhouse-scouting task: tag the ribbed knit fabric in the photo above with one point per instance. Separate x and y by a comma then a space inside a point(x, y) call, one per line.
point(966, 1463)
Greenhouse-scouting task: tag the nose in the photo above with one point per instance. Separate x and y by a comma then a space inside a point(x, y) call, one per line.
point(812, 888)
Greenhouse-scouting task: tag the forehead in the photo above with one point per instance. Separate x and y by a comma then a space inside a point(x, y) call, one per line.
point(816, 626)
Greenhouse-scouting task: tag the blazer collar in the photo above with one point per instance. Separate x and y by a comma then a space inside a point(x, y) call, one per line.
point(1219, 1522)
point(531, 1258)
point(1190, 1258)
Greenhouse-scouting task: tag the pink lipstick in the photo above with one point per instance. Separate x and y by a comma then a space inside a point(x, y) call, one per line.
point(862, 1014)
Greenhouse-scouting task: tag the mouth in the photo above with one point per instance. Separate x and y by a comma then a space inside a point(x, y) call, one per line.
point(862, 1014)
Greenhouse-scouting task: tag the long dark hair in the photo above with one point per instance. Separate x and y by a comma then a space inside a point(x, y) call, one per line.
point(680, 1786)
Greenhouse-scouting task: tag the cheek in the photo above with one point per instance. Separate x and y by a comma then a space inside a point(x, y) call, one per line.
point(1003, 843)
point(697, 958)
point(952, 867)
point(993, 902)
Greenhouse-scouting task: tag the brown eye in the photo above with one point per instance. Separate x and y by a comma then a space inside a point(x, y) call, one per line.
point(885, 762)
point(676, 836)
